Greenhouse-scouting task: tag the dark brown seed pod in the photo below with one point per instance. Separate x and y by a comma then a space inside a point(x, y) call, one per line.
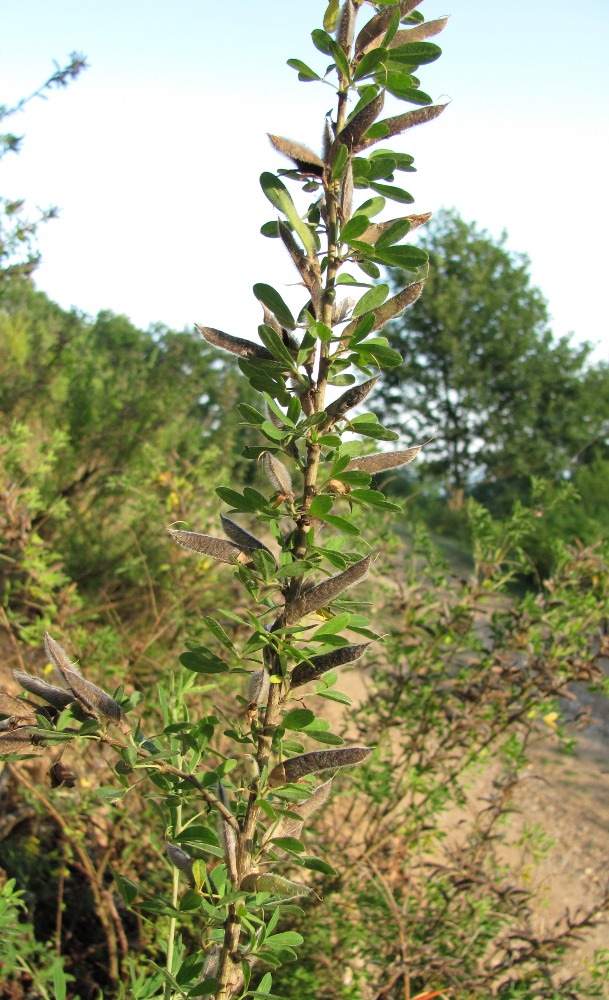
point(241, 537)
point(236, 345)
point(208, 545)
point(352, 134)
point(384, 460)
point(324, 593)
point(96, 700)
point(378, 25)
point(318, 665)
point(180, 860)
point(20, 741)
point(60, 776)
point(55, 696)
point(426, 29)
point(57, 654)
point(305, 159)
point(399, 123)
point(292, 770)
point(393, 307)
point(352, 397)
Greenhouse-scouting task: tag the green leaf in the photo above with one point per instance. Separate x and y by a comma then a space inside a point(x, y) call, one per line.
point(288, 844)
point(317, 865)
point(297, 719)
point(354, 227)
point(250, 414)
point(321, 505)
point(333, 626)
point(341, 522)
point(411, 94)
point(285, 939)
point(408, 257)
point(206, 989)
point(394, 234)
point(340, 162)
point(383, 357)
point(341, 60)
point(272, 299)
point(371, 207)
point(375, 499)
point(331, 15)
point(395, 193)
point(197, 836)
point(236, 500)
point(59, 980)
point(270, 338)
point(305, 73)
point(368, 64)
point(371, 300)
point(369, 268)
point(321, 736)
point(377, 432)
point(366, 96)
point(416, 53)
point(322, 41)
point(204, 661)
point(279, 196)
point(355, 478)
point(338, 696)
point(378, 131)
point(216, 629)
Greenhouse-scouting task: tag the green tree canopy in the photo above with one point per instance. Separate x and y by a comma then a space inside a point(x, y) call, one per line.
point(483, 372)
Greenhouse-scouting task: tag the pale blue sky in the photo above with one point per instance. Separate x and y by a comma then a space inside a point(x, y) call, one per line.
point(154, 154)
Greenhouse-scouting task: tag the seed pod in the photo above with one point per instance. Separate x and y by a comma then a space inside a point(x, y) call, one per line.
point(384, 460)
point(180, 860)
point(393, 307)
point(346, 194)
point(241, 537)
point(278, 474)
point(258, 687)
point(227, 838)
point(236, 345)
point(324, 593)
point(346, 26)
point(352, 134)
point(352, 397)
point(96, 700)
point(399, 123)
point(275, 884)
point(426, 29)
point(305, 159)
point(289, 826)
point(57, 655)
point(307, 267)
point(318, 665)
point(55, 696)
point(216, 548)
point(270, 319)
point(212, 961)
point(60, 776)
point(19, 741)
point(295, 768)
point(15, 708)
point(376, 229)
point(378, 25)
point(327, 139)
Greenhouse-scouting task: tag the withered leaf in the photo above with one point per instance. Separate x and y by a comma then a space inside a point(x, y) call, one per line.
point(236, 345)
point(296, 768)
point(208, 545)
point(318, 665)
point(15, 707)
point(59, 775)
point(324, 593)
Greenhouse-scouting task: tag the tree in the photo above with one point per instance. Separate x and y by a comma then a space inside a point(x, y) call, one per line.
point(483, 375)
point(18, 253)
